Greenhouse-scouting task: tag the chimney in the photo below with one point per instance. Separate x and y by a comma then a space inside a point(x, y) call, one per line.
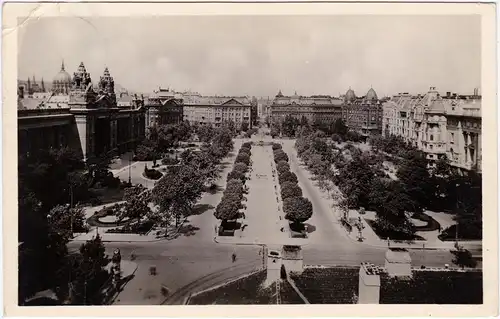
point(292, 258)
point(398, 262)
point(273, 266)
point(369, 284)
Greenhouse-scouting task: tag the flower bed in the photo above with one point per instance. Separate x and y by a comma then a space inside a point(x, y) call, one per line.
point(136, 228)
point(96, 219)
point(336, 285)
point(152, 173)
point(433, 287)
point(431, 225)
point(245, 291)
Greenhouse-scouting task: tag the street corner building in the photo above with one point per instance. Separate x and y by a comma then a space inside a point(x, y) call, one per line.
point(77, 114)
point(440, 125)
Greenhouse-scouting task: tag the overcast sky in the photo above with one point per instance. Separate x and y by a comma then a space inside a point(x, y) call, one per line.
point(258, 55)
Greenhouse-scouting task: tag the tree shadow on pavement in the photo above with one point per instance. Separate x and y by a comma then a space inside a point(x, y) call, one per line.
point(310, 228)
point(200, 209)
point(215, 190)
point(188, 230)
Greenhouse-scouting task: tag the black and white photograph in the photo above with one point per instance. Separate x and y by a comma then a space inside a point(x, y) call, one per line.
point(248, 159)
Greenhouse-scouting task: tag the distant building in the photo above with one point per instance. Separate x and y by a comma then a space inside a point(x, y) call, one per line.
point(316, 108)
point(216, 110)
point(89, 121)
point(448, 125)
point(30, 87)
point(263, 106)
point(164, 106)
point(362, 114)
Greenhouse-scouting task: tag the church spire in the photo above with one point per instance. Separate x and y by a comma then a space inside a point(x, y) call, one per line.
point(43, 86)
point(62, 65)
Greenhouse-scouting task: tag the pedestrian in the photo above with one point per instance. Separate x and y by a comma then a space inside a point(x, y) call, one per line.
point(233, 257)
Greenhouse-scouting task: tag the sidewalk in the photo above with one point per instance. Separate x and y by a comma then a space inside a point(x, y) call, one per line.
point(234, 240)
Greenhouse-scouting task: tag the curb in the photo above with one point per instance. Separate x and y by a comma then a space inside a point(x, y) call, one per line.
point(169, 237)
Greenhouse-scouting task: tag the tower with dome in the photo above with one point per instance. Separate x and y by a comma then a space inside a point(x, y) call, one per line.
point(363, 114)
point(61, 84)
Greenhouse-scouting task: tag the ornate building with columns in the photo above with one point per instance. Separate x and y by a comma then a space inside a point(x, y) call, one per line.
point(440, 125)
point(86, 119)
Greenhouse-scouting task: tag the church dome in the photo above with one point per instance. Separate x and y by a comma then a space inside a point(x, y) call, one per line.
point(62, 76)
point(350, 95)
point(371, 95)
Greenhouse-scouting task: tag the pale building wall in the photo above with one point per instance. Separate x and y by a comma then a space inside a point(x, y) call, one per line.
point(369, 286)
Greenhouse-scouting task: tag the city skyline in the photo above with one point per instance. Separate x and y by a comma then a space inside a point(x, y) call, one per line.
point(389, 53)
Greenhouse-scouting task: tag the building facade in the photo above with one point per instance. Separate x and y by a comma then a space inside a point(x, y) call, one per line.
point(164, 106)
point(316, 108)
point(363, 114)
point(448, 125)
point(215, 110)
point(89, 121)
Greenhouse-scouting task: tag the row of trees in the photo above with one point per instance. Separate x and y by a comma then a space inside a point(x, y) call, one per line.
point(231, 202)
point(294, 127)
point(179, 189)
point(297, 208)
point(162, 138)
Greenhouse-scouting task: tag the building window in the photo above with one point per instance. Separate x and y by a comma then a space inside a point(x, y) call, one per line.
point(432, 137)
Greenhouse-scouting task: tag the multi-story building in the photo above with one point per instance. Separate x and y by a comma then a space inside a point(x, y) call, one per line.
point(439, 125)
point(216, 109)
point(363, 114)
point(164, 106)
point(316, 108)
point(89, 121)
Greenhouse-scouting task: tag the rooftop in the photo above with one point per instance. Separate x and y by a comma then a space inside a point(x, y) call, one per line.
point(339, 285)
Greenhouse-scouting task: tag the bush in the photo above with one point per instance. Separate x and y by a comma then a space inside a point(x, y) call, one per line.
point(246, 145)
point(279, 155)
point(277, 146)
point(152, 174)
